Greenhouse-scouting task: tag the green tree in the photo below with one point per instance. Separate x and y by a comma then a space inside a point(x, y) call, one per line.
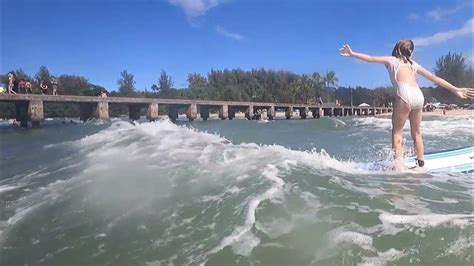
point(302, 89)
point(43, 75)
point(453, 68)
point(165, 83)
point(126, 84)
point(330, 79)
point(93, 90)
point(198, 86)
point(72, 85)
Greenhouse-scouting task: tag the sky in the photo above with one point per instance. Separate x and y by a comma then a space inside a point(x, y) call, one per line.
point(100, 38)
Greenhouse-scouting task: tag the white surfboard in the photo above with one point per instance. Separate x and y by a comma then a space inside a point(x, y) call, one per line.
point(446, 161)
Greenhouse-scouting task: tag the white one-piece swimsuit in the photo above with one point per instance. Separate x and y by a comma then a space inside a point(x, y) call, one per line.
point(411, 95)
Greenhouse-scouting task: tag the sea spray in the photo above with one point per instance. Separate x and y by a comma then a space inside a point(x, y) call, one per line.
point(164, 193)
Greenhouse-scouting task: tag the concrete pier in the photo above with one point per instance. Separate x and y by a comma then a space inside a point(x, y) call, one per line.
point(29, 107)
point(249, 113)
point(152, 112)
point(102, 110)
point(35, 112)
point(289, 112)
point(271, 112)
point(224, 112)
point(191, 113)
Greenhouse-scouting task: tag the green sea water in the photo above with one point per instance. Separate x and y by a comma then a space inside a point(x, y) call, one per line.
point(286, 192)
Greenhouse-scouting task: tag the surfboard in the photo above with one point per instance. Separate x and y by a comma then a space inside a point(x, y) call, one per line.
point(446, 161)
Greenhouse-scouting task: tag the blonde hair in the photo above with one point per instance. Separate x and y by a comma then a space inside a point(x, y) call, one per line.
point(403, 50)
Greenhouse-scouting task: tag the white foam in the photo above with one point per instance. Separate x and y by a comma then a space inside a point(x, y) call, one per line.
point(275, 228)
point(459, 246)
point(242, 236)
point(361, 240)
point(230, 169)
point(440, 127)
point(427, 220)
point(20, 213)
point(383, 257)
point(6, 188)
point(245, 244)
point(443, 200)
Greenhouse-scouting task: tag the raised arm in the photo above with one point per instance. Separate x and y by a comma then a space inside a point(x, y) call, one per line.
point(465, 93)
point(346, 50)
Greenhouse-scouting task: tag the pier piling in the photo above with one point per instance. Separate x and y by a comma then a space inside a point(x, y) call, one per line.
point(102, 110)
point(191, 112)
point(224, 112)
point(152, 112)
point(249, 113)
point(271, 112)
point(35, 112)
point(289, 112)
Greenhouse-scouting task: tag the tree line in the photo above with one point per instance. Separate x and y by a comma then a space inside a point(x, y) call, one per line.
point(256, 85)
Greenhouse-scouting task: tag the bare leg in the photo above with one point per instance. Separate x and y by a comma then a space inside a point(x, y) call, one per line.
point(399, 117)
point(415, 121)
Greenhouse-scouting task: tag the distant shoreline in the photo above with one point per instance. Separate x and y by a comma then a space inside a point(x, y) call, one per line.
point(439, 113)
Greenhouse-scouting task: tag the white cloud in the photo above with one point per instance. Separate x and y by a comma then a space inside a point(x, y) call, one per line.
point(441, 13)
point(195, 8)
point(228, 34)
point(467, 29)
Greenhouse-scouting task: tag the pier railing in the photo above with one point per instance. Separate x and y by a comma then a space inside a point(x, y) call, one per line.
point(29, 107)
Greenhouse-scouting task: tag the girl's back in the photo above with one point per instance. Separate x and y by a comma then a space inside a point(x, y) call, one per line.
point(406, 74)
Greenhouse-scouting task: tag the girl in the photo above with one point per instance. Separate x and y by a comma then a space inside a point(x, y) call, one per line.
point(12, 83)
point(409, 98)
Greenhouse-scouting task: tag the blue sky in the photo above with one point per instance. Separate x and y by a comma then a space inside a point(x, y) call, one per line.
point(100, 38)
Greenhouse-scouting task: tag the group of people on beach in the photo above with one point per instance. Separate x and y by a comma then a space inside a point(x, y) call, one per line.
point(24, 86)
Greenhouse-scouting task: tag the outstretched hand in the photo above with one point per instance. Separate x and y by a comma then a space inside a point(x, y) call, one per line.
point(345, 50)
point(465, 93)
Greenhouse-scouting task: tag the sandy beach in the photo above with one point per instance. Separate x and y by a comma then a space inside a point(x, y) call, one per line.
point(436, 113)
point(439, 113)
point(460, 112)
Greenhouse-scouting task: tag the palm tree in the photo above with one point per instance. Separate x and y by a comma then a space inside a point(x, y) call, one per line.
point(330, 79)
point(317, 83)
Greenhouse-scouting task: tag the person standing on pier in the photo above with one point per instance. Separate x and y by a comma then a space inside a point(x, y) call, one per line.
point(320, 100)
point(409, 99)
point(12, 83)
point(44, 87)
point(22, 86)
point(29, 89)
point(54, 84)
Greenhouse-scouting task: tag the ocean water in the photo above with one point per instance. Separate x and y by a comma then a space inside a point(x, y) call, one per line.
point(229, 193)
